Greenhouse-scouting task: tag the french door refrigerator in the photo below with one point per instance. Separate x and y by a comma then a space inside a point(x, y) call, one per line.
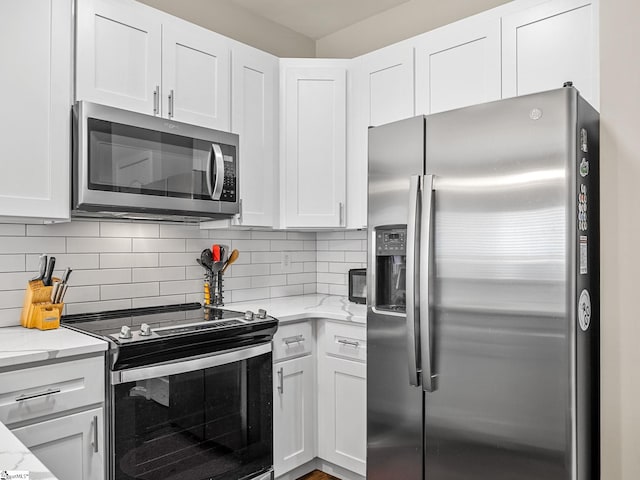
point(482, 318)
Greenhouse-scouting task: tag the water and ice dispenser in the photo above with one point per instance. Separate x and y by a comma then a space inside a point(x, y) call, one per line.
point(390, 268)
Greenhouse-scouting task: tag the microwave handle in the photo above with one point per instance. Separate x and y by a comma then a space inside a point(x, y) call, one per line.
point(216, 160)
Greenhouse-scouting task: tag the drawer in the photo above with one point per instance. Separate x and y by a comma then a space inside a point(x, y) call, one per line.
point(33, 392)
point(345, 341)
point(293, 340)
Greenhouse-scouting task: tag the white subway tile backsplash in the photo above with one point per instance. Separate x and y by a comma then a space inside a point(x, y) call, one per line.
point(124, 264)
point(264, 235)
point(158, 245)
point(12, 229)
point(181, 286)
point(90, 307)
point(287, 291)
point(97, 245)
point(12, 263)
point(160, 274)
point(338, 290)
point(100, 277)
point(129, 290)
point(252, 245)
point(70, 229)
point(301, 278)
point(268, 281)
point(124, 260)
point(140, 230)
point(32, 245)
point(75, 261)
point(287, 245)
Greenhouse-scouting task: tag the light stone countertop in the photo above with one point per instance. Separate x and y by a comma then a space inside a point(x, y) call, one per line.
point(19, 345)
point(15, 456)
point(288, 309)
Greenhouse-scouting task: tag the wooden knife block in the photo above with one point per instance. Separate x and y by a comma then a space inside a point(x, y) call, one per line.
point(37, 309)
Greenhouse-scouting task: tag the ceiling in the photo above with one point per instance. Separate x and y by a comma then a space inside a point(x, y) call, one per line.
point(317, 18)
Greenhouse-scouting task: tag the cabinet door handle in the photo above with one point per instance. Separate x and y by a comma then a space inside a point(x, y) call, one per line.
point(341, 207)
point(281, 380)
point(352, 343)
point(49, 391)
point(94, 424)
point(156, 100)
point(171, 97)
point(295, 339)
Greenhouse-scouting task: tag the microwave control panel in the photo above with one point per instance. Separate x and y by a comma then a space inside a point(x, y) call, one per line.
point(230, 184)
point(391, 242)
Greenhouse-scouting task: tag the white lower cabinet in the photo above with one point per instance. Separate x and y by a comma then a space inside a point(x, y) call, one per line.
point(71, 447)
point(56, 410)
point(342, 396)
point(293, 413)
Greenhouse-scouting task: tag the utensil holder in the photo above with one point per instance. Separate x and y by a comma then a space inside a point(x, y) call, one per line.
point(37, 309)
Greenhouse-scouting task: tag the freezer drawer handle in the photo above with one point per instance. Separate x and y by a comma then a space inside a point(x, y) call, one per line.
point(295, 339)
point(349, 342)
point(49, 391)
point(281, 380)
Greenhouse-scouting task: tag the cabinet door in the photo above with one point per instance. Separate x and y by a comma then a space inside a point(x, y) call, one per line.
point(549, 44)
point(36, 53)
point(342, 413)
point(195, 75)
point(254, 118)
point(315, 146)
point(458, 65)
point(293, 414)
point(119, 54)
point(71, 447)
point(383, 92)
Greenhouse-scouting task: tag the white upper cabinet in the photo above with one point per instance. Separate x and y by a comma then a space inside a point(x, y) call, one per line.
point(119, 46)
point(254, 117)
point(36, 58)
point(195, 75)
point(314, 142)
point(382, 88)
point(458, 65)
point(134, 57)
point(549, 44)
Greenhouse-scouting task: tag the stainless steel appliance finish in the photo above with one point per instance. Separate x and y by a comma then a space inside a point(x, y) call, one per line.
point(131, 165)
point(492, 373)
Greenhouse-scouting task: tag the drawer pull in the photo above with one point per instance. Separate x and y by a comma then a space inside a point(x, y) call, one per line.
point(295, 339)
point(95, 433)
point(281, 380)
point(49, 391)
point(351, 343)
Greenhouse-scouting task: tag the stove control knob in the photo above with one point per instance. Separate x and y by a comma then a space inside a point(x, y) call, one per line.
point(125, 332)
point(248, 315)
point(145, 330)
point(262, 313)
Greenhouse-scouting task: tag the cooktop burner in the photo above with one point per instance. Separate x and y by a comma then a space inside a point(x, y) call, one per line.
point(154, 334)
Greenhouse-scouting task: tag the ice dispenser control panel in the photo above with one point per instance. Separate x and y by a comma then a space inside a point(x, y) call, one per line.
point(391, 242)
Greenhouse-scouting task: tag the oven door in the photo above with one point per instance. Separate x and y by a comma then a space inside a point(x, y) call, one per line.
point(129, 162)
point(206, 417)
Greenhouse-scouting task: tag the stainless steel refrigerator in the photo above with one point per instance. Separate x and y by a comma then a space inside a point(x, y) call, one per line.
point(482, 316)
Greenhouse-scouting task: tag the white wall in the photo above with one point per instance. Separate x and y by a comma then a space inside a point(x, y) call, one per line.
point(231, 20)
point(620, 231)
point(404, 21)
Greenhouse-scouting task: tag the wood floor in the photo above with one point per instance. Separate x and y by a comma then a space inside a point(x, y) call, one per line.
point(318, 475)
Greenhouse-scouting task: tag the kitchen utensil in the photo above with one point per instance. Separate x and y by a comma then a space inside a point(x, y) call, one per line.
point(61, 293)
point(206, 258)
point(66, 275)
point(215, 251)
point(54, 292)
point(41, 268)
point(232, 258)
point(46, 280)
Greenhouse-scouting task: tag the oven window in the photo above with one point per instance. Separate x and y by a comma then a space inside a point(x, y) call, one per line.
point(128, 159)
point(212, 424)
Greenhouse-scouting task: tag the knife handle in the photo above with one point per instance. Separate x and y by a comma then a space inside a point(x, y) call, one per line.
point(49, 273)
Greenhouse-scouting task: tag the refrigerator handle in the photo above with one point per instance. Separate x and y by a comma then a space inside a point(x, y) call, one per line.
point(412, 279)
point(425, 262)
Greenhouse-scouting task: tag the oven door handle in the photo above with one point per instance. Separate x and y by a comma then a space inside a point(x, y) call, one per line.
point(189, 365)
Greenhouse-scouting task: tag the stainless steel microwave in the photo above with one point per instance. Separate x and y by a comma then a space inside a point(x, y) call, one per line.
point(131, 165)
